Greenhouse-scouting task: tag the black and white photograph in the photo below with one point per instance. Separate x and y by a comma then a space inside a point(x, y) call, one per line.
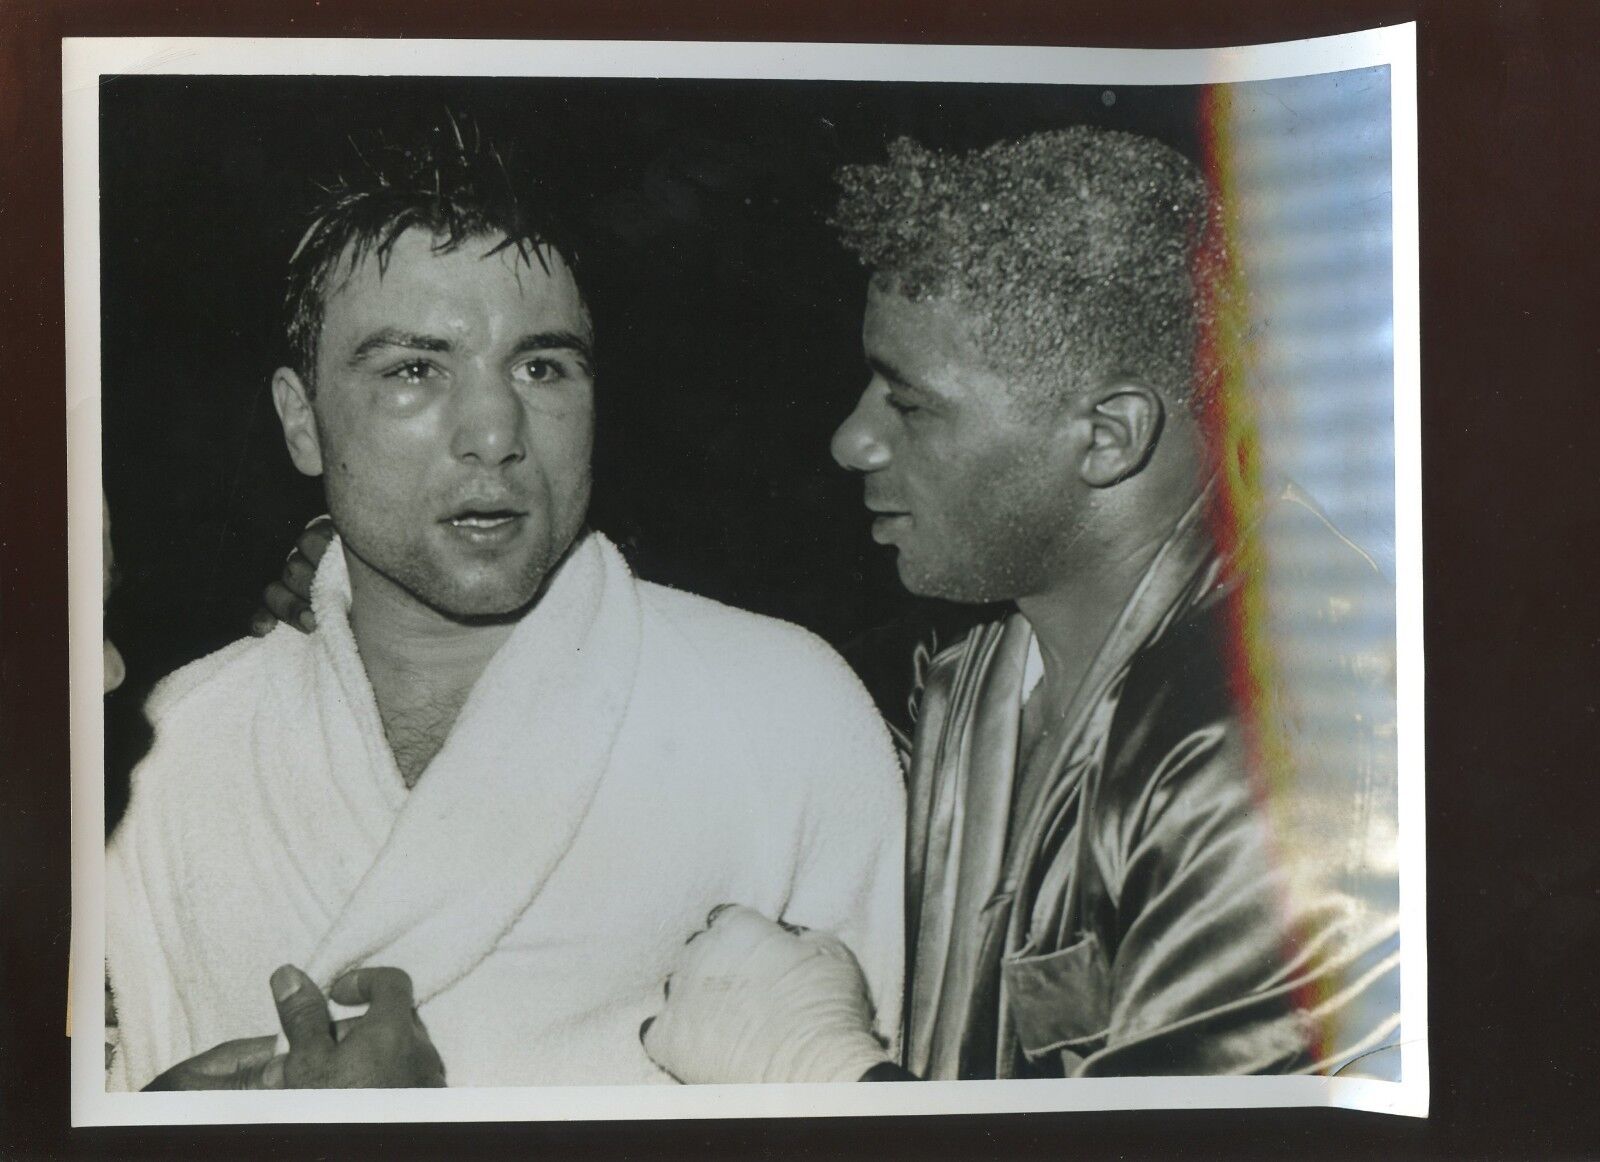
point(649, 580)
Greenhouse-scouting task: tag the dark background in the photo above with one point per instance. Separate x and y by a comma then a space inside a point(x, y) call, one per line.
point(1510, 271)
point(728, 322)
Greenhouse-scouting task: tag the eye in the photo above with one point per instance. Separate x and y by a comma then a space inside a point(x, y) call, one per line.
point(540, 370)
point(412, 372)
point(900, 406)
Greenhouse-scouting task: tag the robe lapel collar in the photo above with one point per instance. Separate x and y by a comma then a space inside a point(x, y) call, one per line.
point(494, 813)
point(965, 800)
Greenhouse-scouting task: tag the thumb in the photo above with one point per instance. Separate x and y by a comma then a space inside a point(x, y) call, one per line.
point(302, 1010)
point(830, 944)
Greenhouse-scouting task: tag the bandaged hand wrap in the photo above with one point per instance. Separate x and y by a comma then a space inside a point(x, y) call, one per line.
point(750, 1000)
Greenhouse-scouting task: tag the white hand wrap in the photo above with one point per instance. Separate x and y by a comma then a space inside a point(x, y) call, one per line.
point(750, 1000)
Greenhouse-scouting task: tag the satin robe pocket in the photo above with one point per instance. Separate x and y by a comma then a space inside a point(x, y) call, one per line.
point(1060, 1000)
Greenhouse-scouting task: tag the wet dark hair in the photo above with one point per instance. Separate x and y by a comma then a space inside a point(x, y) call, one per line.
point(1075, 251)
point(447, 178)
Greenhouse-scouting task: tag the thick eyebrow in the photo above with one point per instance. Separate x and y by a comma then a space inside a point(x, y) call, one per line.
point(554, 341)
point(898, 378)
point(390, 337)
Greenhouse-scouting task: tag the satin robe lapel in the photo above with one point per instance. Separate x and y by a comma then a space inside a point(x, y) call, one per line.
point(1040, 920)
point(961, 801)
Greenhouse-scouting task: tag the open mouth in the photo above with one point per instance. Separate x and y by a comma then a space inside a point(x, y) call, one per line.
point(485, 526)
point(483, 520)
point(886, 523)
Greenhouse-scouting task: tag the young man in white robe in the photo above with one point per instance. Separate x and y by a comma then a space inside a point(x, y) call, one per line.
point(503, 780)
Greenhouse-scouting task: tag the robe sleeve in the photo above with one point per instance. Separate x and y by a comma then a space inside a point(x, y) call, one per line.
point(150, 1016)
point(850, 877)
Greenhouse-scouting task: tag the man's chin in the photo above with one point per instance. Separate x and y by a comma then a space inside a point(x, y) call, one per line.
point(920, 581)
point(473, 591)
point(946, 584)
point(480, 598)
point(489, 606)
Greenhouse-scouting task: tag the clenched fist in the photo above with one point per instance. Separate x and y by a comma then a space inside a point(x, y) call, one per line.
point(753, 1000)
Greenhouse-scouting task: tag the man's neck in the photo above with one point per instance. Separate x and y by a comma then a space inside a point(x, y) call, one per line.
point(421, 663)
point(1073, 618)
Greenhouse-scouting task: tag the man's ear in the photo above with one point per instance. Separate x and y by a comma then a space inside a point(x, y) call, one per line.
point(293, 401)
point(1124, 427)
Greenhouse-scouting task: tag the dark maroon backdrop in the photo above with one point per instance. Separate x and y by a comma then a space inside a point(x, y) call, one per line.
point(1509, 267)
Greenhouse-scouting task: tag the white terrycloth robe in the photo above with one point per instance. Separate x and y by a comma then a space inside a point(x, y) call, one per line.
point(631, 757)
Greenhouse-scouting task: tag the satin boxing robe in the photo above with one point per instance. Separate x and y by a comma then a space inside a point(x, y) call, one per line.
point(1208, 883)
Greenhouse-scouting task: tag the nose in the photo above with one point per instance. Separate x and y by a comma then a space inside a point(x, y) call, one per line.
point(489, 422)
point(860, 445)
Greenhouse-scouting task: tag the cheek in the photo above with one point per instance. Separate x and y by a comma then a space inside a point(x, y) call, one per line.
point(362, 441)
point(990, 492)
point(950, 479)
point(562, 448)
point(355, 465)
point(372, 479)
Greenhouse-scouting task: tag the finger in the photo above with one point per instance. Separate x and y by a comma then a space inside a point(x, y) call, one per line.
point(231, 1065)
point(262, 622)
point(272, 1073)
point(711, 920)
point(385, 991)
point(297, 575)
point(251, 1053)
point(723, 917)
point(650, 1035)
point(831, 945)
point(314, 541)
point(737, 934)
point(651, 1030)
point(823, 940)
point(302, 1010)
point(737, 924)
point(252, 1063)
point(286, 606)
point(165, 1082)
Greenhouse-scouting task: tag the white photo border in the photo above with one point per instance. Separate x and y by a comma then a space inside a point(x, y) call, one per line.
point(86, 60)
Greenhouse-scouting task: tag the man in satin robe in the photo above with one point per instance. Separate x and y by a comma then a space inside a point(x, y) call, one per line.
point(1153, 807)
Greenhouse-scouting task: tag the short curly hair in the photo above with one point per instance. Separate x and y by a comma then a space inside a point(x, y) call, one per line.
point(445, 177)
point(1079, 252)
